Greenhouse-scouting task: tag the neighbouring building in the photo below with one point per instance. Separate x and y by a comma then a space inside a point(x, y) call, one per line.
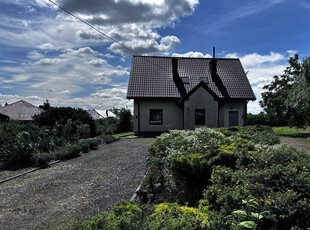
point(20, 110)
point(186, 93)
point(94, 114)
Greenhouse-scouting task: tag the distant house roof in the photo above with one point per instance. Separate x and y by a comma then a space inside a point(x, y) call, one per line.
point(106, 113)
point(20, 110)
point(161, 77)
point(94, 114)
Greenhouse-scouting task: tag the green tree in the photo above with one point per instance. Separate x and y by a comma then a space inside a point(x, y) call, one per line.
point(299, 96)
point(125, 119)
point(46, 105)
point(66, 120)
point(273, 102)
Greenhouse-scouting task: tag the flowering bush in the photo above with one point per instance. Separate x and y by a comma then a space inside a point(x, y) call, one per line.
point(219, 169)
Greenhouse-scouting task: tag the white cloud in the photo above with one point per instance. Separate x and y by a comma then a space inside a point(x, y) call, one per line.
point(124, 12)
point(292, 52)
point(125, 21)
point(48, 61)
point(253, 107)
point(46, 46)
point(65, 92)
point(17, 78)
point(4, 98)
point(97, 62)
point(146, 47)
point(255, 59)
point(81, 52)
point(35, 55)
point(69, 72)
point(192, 54)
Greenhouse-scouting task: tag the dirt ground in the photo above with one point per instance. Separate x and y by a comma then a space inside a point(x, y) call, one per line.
point(50, 198)
point(302, 144)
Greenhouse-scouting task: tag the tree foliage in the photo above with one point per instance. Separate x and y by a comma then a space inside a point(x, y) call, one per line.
point(125, 119)
point(66, 120)
point(299, 96)
point(286, 99)
point(46, 105)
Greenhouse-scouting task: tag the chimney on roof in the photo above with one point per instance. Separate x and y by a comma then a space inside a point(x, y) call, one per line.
point(175, 73)
point(213, 67)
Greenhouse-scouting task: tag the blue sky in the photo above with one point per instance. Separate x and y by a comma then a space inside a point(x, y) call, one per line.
point(47, 54)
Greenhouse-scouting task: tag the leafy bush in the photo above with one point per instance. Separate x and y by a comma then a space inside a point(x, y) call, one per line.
point(257, 119)
point(180, 162)
point(220, 169)
point(109, 139)
point(93, 143)
point(17, 142)
point(83, 131)
point(128, 215)
point(257, 134)
point(124, 216)
point(85, 145)
point(42, 159)
point(69, 151)
point(107, 126)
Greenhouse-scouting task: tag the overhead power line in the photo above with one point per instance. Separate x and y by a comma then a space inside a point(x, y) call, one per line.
point(90, 25)
point(105, 35)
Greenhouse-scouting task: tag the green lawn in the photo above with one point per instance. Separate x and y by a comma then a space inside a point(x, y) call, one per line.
point(120, 134)
point(292, 132)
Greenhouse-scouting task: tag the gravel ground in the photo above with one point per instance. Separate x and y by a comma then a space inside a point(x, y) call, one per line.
point(50, 198)
point(301, 144)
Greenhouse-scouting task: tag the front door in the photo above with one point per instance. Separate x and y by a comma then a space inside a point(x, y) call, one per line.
point(233, 118)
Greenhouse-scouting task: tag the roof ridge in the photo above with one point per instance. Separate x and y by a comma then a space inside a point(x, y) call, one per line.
point(28, 104)
point(23, 102)
point(209, 58)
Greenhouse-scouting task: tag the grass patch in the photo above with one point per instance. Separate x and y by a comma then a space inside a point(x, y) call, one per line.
point(10, 173)
point(292, 132)
point(121, 134)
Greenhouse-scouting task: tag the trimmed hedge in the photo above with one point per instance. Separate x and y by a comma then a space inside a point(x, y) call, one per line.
point(69, 151)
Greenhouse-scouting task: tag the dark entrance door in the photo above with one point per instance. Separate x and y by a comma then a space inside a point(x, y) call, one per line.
point(233, 118)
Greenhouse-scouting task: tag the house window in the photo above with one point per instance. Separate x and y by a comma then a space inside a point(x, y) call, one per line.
point(200, 117)
point(185, 80)
point(156, 116)
point(204, 79)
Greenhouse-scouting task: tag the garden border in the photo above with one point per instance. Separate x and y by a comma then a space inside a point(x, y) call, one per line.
point(50, 164)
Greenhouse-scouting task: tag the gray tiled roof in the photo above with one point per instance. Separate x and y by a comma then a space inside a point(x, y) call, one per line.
point(20, 110)
point(152, 77)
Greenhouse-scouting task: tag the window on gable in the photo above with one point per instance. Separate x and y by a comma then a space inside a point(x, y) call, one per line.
point(204, 79)
point(200, 117)
point(185, 80)
point(156, 116)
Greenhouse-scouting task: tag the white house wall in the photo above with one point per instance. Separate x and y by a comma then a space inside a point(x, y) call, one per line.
point(172, 115)
point(200, 99)
point(232, 106)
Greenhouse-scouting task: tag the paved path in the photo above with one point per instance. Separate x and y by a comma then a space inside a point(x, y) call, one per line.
point(301, 144)
point(50, 198)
